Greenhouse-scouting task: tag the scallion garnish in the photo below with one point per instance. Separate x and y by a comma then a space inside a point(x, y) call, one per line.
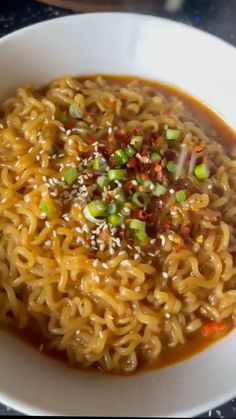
point(115, 220)
point(202, 171)
point(130, 151)
point(99, 163)
point(180, 195)
point(116, 174)
point(126, 211)
point(148, 185)
point(172, 134)
point(139, 179)
point(137, 141)
point(97, 208)
point(45, 208)
point(159, 190)
point(140, 199)
point(76, 111)
point(120, 196)
point(70, 175)
point(121, 156)
point(61, 118)
point(136, 224)
point(171, 166)
point(155, 157)
point(102, 181)
point(112, 207)
point(141, 235)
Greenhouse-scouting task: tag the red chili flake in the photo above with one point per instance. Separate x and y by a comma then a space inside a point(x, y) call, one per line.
point(165, 225)
point(185, 231)
point(120, 132)
point(138, 131)
point(133, 162)
point(128, 185)
point(163, 162)
point(171, 155)
point(157, 167)
point(70, 123)
point(127, 137)
point(144, 176)
point(138, 213)
point(112, 162)
point(197, 148)
point(153, 138)
point(216, 221)
point(112, 104)
point(144, 153)
point(90, 139)
point(178, 249)
point(162, 178)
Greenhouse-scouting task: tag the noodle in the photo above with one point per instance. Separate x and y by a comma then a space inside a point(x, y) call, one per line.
point(104, 294)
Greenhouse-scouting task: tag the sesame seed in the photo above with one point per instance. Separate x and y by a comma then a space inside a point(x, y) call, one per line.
point(95, 263)
point(165, 275)
point(105, 266)
point(136, 256)
point(167, 315)
point(163, 240)
point(171, 191)
point(48, 243)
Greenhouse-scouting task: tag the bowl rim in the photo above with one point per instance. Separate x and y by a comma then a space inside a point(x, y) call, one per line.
point(15, 402)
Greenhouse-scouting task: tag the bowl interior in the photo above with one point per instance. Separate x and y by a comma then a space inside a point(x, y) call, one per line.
point(157, 49)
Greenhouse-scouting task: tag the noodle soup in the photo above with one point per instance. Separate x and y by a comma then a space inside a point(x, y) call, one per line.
point(117, 219)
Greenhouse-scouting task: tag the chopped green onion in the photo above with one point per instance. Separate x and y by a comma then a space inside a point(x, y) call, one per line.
point(140, 199)
point(116, 174)
point(141, 235)
point(171, 166)
point(121, 156)
point(130, 151)
point(148, 184)
point(99, 163)
point(139, 179)
point(180, 196)
point(112, 207)
point(115, 220)
point(45, 208)
point(120, 196)
point(89, 216)
point(137, 141)
point(155, 157)
point(102, 181)
point(172, 134)
point(61, 118)
point(126, 211)
point(202, 171)
point(97, 208)
point(159, 190)
point(70, 175)
point(136, 224)
point(75, 111)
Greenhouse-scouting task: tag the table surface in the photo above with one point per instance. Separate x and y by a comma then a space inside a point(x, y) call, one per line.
point(215, 16)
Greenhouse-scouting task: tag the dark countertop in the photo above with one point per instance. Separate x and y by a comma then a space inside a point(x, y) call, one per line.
point(215, 16)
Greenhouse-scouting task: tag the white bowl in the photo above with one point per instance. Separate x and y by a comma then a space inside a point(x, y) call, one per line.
point(157, 49)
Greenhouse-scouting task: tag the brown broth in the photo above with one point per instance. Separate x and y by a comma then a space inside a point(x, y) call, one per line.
point(215, 127)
